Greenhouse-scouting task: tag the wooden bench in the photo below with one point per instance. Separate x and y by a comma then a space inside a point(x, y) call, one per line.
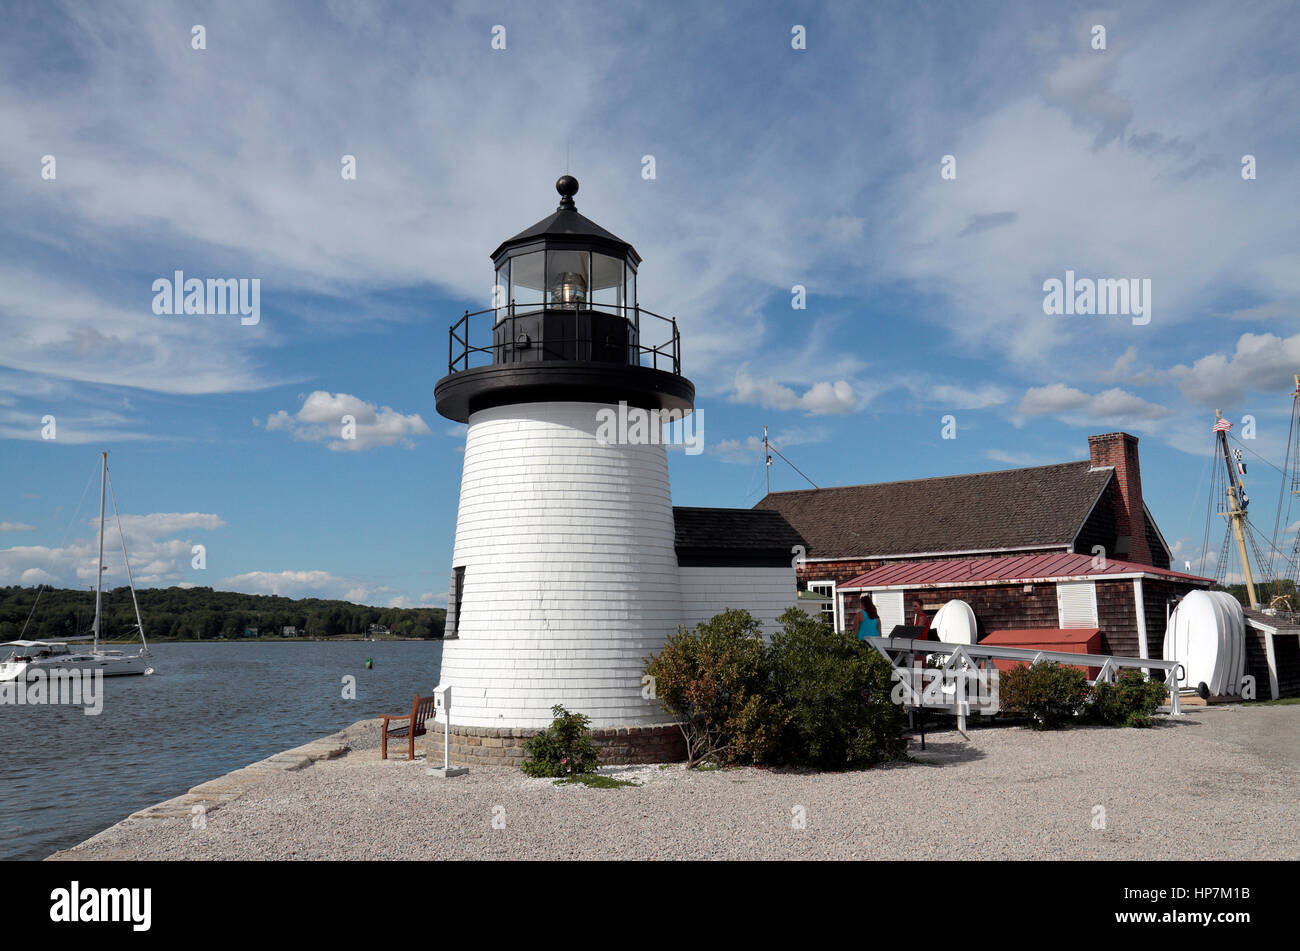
point(421, 710)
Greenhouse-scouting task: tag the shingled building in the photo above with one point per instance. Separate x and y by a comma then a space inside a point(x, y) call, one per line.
point(1062, 546)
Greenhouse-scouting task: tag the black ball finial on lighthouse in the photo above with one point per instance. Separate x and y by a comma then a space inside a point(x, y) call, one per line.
point(567, 186)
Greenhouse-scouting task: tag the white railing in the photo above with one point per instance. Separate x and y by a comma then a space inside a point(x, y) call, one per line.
point(973, 661)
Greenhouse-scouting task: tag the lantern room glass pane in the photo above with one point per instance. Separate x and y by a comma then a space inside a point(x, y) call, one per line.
point(568, 277)
point(501, 290)
point(607, 282)
point(631, 286)
point(528, 277)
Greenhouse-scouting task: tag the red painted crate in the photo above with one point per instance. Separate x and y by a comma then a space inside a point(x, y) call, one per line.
point(1080, 640)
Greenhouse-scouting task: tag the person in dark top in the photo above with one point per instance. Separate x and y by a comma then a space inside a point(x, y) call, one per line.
point(866, 623)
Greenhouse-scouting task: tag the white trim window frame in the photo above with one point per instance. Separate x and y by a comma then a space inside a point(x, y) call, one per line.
point(829, 589)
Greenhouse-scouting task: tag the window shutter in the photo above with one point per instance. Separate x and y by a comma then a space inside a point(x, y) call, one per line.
point(890, 606)
point(1076, 603)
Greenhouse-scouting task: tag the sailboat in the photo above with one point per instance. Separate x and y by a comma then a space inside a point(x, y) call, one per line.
point(28, 657)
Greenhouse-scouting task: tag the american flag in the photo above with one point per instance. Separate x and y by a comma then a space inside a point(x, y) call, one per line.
point(1222, 425)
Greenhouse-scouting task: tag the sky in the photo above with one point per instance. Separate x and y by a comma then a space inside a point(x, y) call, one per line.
point(919, 170)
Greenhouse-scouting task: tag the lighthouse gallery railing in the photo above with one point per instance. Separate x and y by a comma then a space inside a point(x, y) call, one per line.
point(461, 348)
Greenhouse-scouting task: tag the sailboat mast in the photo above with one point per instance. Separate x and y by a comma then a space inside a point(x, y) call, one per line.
point(99, 565)
point(1237, 515)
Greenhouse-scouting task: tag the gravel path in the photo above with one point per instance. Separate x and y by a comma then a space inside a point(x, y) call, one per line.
point(1218, 783)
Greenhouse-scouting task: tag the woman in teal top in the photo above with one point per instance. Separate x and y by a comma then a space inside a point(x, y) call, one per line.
point(866, 622)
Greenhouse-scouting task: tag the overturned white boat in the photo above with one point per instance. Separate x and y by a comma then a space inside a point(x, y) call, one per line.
point(26, 657)
point(1206, 634)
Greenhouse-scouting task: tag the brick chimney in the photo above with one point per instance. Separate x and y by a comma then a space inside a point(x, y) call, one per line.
point(1121, 451)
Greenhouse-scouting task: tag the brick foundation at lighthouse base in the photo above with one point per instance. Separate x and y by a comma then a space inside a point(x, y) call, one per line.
point(504, 746)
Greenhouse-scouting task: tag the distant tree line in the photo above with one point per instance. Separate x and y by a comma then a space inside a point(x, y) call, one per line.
point(201, 614)
point(1266, 591)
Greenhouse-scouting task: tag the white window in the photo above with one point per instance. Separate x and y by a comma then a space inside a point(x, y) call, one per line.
point(1076, 603)
point(831, 611)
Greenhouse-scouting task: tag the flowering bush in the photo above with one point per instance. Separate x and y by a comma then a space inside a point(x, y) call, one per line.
point(565, 748)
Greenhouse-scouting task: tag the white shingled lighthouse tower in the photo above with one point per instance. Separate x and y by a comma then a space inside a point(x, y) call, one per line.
point(564, 574)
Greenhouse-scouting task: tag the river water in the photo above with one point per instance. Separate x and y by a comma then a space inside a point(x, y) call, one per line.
point(209, 709)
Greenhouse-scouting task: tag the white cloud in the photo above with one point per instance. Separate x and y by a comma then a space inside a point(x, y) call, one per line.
point(321, 420)
point(822, 398)
point(314, 583)
point(427, 600)
point(750, 449)
point(1289, 310)
point(1260, 362)
point(953, 396)
point(16, 527)
point(158, 555)
point(1054, 398)
point(1077, 407)
point(70, 428)
point(1018, 459)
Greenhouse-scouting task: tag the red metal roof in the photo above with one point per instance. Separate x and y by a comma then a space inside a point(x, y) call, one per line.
point(1006, 569)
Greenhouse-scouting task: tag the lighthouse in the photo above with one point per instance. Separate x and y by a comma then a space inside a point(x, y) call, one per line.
point(564, 571)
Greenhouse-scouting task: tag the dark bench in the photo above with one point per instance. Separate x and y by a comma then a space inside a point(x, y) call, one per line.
point(421, 710)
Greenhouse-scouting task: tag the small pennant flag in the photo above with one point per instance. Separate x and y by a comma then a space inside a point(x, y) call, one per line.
point(1222, 425)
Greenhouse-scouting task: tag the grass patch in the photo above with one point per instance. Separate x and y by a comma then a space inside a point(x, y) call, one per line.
point(595, 781)
point(1282, 702)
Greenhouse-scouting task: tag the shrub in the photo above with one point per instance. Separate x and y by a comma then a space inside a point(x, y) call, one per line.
point(1047, 692)
point(565, 748)
point(835, 694)
point(711, 679)
point(1129, 701)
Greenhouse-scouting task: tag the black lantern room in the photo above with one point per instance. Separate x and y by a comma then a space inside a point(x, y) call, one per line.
point(565, 325)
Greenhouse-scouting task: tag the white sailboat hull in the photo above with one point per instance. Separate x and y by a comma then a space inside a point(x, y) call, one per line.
point(109, 663)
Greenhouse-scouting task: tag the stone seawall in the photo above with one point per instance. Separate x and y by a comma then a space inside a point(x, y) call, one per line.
point(504, 746)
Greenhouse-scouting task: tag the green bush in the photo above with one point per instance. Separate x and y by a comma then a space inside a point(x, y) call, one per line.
point(565, 748)
point(1047, 692)
point(835, 693)
point(1129, 701)
point(712, 680)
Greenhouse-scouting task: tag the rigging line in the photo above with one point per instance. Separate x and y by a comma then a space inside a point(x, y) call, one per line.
point(139, 625)
point(66, 532)
point(1281, 493)
point(1257, 533)
point(752, 486)
point(1210, 508)
point(792, 465)
point(1238, 442)
point(1199, 482)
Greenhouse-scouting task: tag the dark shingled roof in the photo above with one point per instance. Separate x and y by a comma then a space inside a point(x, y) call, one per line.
point(1278, 622)
point(1036, 507)
point(739, 531)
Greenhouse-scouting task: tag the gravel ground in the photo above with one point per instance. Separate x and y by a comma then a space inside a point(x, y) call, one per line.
point(1220, 783)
